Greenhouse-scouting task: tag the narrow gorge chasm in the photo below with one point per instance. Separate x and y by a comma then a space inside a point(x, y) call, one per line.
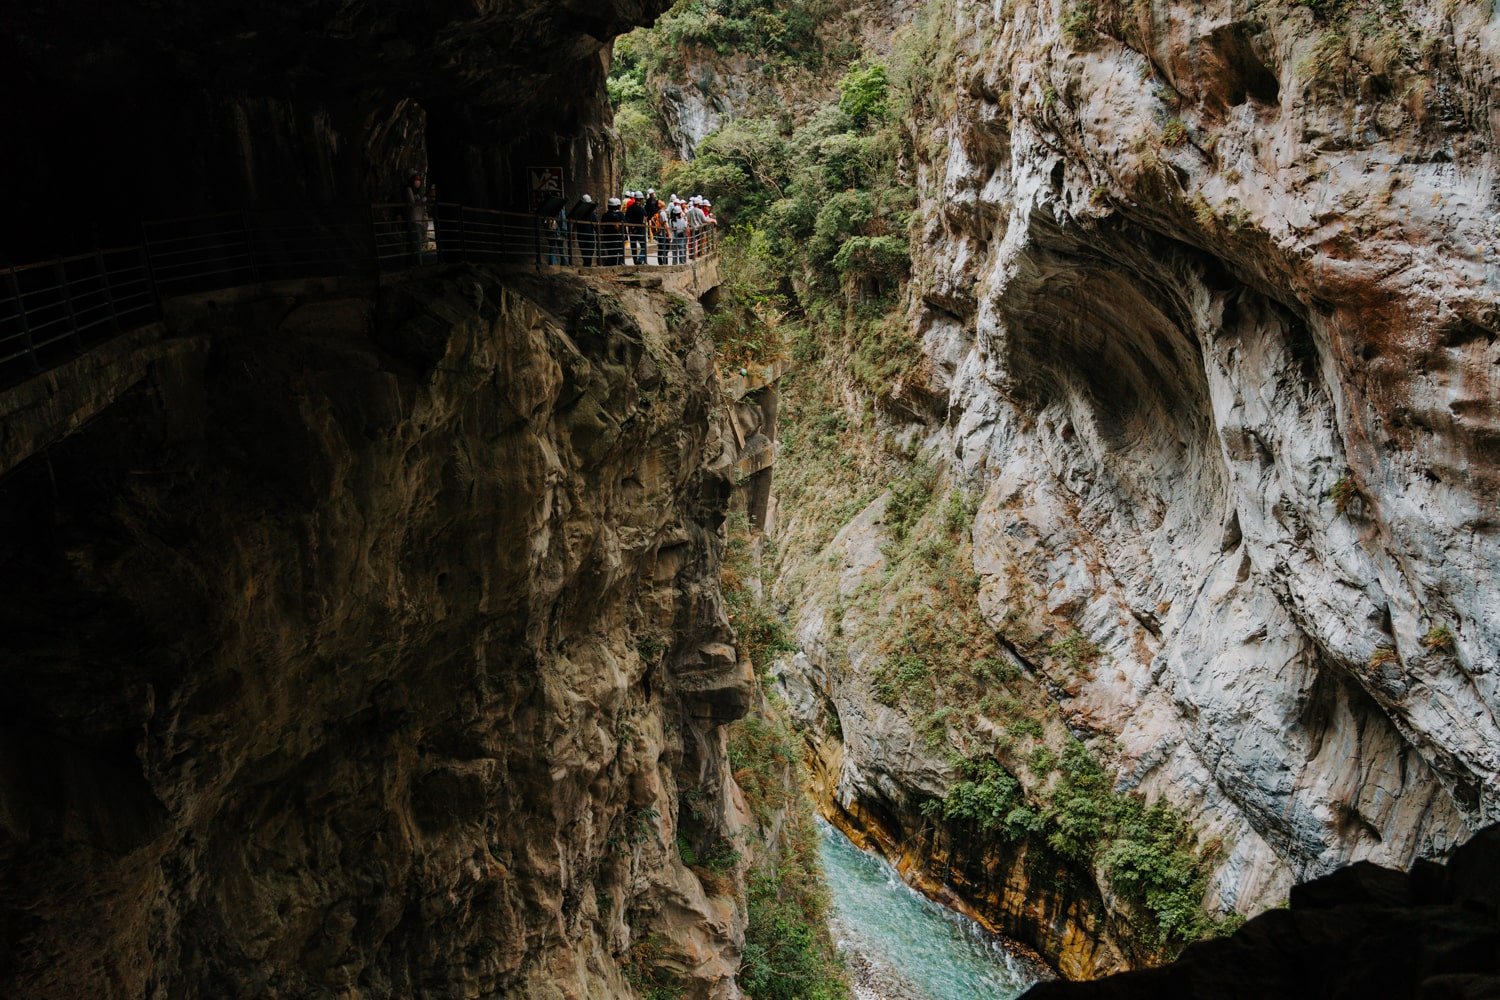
point(1025, 524)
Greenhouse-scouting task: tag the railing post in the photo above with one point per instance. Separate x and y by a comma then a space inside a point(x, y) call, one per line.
point(150, 271)
point(15, 289)
point(67, 297)
point(109, 292)
point(249, 245)
point(463, 237)
point(374, 239)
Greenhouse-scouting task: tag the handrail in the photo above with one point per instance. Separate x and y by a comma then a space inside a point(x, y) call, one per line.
point(50, 310)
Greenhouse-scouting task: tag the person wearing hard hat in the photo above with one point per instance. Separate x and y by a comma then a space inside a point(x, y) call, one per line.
point(678, 226)
point(585, 216)
point(711, 232)
point(652, 207)
point(697, 223)
point(635, 230)
point(418, 215)
point(612, 235)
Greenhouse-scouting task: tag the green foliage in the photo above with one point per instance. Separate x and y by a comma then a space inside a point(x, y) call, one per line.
point(1078, 21)
point(761, 633)
point(901, 678)
point(1081, 805)
point(647, 975)
point(882, 258)
point(911, 495)
point(1151, 860)
point(864, 94)
point(785, 32)
point(745, 323)
point(788, 953)
point(1439, 639)
point(1174, 132)
point(762, 751)
point(959, 511)
point(986, 795)
point(1042, 761)
point(922, 64)
point(1078, 651)
point(1028, 727)
point(1384, 654)
point(1343, 494)
point(635, 119)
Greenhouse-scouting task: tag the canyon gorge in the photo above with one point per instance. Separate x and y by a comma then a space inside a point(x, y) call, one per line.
point(1074, 479)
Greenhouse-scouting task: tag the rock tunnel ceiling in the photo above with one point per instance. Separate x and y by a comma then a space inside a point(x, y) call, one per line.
point(127, 111)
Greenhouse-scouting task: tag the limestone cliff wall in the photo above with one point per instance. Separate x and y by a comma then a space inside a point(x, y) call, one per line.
point(364, 644)
point(1207, 298)
point(1221, 327)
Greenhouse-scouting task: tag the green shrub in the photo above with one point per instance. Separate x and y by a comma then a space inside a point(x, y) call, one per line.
point(864, 93)
point(1027, 728)
point(902, 677)
point(1078, 21)
point(1078, 651)
point(1174, 132)
point(1042, 762)
point(910, 496)
point(1439, 639)
point(880, 257)
point(1151, 861)
point(985, 796)
point(1343, 494)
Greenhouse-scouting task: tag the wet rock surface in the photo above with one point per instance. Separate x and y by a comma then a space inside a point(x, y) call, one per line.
point(365, 647)
point(1364, 931)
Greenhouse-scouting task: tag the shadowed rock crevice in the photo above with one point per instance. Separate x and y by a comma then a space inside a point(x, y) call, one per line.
point(329, 655)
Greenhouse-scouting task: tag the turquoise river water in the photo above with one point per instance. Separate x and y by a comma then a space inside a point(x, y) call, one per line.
point(903, 946)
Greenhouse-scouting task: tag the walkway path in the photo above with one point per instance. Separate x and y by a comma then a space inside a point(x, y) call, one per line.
point(53, 310)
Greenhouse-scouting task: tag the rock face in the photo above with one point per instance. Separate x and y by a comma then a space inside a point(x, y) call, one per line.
point(365, 647)
point(1210, 293)
point(872, 768)
point(1363, 931)
point(1222, 339)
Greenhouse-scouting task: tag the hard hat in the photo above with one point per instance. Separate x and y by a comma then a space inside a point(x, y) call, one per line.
point(614, 203)
point(588, 200)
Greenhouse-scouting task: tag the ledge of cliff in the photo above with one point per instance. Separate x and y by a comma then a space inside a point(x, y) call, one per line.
point(365, 644)
point(1363, 931)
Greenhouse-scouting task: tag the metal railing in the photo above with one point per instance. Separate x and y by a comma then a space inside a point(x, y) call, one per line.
point(51, 311)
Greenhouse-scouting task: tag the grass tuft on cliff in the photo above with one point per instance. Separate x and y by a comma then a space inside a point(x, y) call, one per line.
point(789, 954)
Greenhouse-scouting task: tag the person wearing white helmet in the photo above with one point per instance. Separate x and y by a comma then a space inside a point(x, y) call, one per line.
point(635, 231)
point(612, 235)
point(651, 212)
point(585, 216)
point(697, 222)
point(678, 228)
point(711, 234)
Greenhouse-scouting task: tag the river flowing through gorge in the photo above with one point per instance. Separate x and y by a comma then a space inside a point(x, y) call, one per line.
point(900, 945)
